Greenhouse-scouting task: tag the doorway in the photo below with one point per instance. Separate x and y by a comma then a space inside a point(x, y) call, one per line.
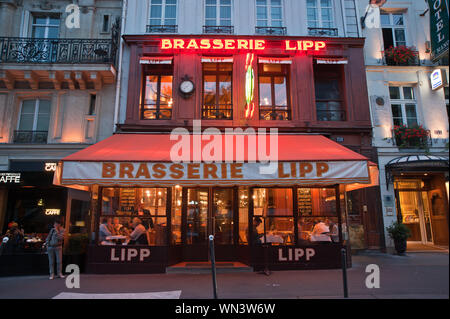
point(209, 211)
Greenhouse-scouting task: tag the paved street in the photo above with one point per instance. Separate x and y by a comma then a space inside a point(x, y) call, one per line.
point(417, 275)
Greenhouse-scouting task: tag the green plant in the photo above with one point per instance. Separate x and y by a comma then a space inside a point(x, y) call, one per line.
point(76, 244)
point(398, 231)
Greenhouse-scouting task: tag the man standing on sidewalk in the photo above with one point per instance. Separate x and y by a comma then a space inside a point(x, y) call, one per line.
point(54, 244)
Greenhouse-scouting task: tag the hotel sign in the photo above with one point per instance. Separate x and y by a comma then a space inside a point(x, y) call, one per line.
point(194, 174)
point(439, 28)
point(438, 79)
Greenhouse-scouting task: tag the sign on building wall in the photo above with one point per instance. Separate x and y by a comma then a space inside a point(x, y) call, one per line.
point(439, 28)
point(438, 79)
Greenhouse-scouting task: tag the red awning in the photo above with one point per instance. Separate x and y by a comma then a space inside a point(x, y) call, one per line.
point(157, 147)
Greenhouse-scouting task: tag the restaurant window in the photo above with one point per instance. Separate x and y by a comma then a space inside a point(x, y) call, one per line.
point(273, 215)
point(218, 13)
point(45, 26)
point(328, 81)
point(320, 13)
point(123, 209)
point(163, 12)
point(243, 216)
point(274, 103)
point(177, 200)
point(394, 29)
point(317, 215)
point(217, 91)
point(403, 105)
point(269, 13)
point(157, 97)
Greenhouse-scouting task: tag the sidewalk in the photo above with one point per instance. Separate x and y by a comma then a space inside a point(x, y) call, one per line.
point(416, 275)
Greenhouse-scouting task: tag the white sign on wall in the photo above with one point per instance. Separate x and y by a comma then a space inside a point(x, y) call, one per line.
point(438, 79)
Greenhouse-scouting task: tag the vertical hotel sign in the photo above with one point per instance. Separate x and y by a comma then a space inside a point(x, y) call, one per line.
point(439, 28)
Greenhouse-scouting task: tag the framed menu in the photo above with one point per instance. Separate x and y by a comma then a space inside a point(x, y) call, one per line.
point(304, 202)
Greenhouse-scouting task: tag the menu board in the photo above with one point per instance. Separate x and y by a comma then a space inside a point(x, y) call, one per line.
point(304, 202)
point(127, 199)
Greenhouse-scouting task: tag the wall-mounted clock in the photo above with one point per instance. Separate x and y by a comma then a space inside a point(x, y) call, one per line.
point(187, 87)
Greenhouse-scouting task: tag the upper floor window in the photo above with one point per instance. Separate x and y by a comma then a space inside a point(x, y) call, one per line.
point(218, 13)
point(274, 101)
point(45, 26)
point(33, 123)
point(403, 105)
point(394, 29)
point(329, 88)
point(269, 17)
point(163, 13)
point(320, 13)
point(217, 91)
point(157, 96)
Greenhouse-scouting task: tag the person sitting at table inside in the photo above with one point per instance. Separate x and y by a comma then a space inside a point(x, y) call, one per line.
point(119, 229)
point(320, 233)
point(105, 229)
point(141, 211)
point(139, 234)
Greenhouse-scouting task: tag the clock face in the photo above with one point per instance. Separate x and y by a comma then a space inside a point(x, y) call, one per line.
point(187, 87)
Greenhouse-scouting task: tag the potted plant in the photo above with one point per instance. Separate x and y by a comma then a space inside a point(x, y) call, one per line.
point(411, 137)
point(399, 234)
point(401, 55)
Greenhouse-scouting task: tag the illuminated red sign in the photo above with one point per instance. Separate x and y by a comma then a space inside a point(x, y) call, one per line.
point(237, 44)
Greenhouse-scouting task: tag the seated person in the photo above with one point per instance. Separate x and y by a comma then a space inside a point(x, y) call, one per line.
point(320, 233)
point(105, 229)
point(141, 211)
point(139, 234)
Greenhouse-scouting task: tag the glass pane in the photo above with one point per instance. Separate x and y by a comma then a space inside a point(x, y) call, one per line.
point(398, 19)
point(385, 19)
point(280, 91)
point(151, 202)
point(312, 14)
point(156, 11)
point(38, 32)
point(273, 202)
point(394, 92)
point(210, 12)
point(408, 93)
point(326, 14)
point(223, 216)
point(265, 91)
point(43, 116)
point(319, 230)
point(176, 214)
point(278, 231)
point(53, 33)
point(27, 115)
point(166, 90)
point(261, 2)
point(243, 215)
point(171, 2)
point(213, 2)
point(197, 213)
point(225, 89)
point(399, 36)
point(171, 12)
point(261, 12)
point(225, 12)
point(327, 89)
point(311, 3)
point(155, 21)
point(275, 2)
point(411, 114)
point(396, 110)
point(225, 2)
point(398, 121)
point(209, 89)
point(276, 13)
point(325, 3)
point(151, 89)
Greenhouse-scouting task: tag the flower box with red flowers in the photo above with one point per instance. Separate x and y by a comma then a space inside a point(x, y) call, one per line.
point(411, 137)
point(401, 55)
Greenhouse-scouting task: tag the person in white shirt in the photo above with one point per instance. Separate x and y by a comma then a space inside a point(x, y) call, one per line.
point(139, 234)
point(320, 233)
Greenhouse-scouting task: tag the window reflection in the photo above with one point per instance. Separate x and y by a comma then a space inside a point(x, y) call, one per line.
point(273, 94)
point(217, 91)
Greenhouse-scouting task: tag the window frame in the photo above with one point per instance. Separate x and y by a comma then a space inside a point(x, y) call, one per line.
point(47, 26)
point(403, 102)
point(218, 19)
point(342, 90)
point(269, 19)
point(393, 27)
point(285, 71)
point(217, 106)
point(163, 13)
point(158, 70)
point(36, 113)
point(318, 9)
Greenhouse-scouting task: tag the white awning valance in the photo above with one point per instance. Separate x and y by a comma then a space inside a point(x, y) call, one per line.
point(275, 60)
point(156, 60)
point(331, 61)
point(217, 60)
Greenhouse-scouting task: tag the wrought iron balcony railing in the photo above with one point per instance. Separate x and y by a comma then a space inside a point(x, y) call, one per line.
point(222, 29)
point(271, 30)
point(217, 112)
point(30, 137)
point(70, 51)
point(162, 28)
point(329, 32)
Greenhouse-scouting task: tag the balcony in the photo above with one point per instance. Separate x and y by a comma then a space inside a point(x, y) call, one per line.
point(330, 110)
point(64, 51)
point(217, 112)
point(30, 137)
point(220, 29)
point(321, 32)
point(271, 30)
point(162, 28)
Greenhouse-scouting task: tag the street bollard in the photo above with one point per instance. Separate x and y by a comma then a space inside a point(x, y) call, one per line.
point(213, 265)
point(344, 270)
